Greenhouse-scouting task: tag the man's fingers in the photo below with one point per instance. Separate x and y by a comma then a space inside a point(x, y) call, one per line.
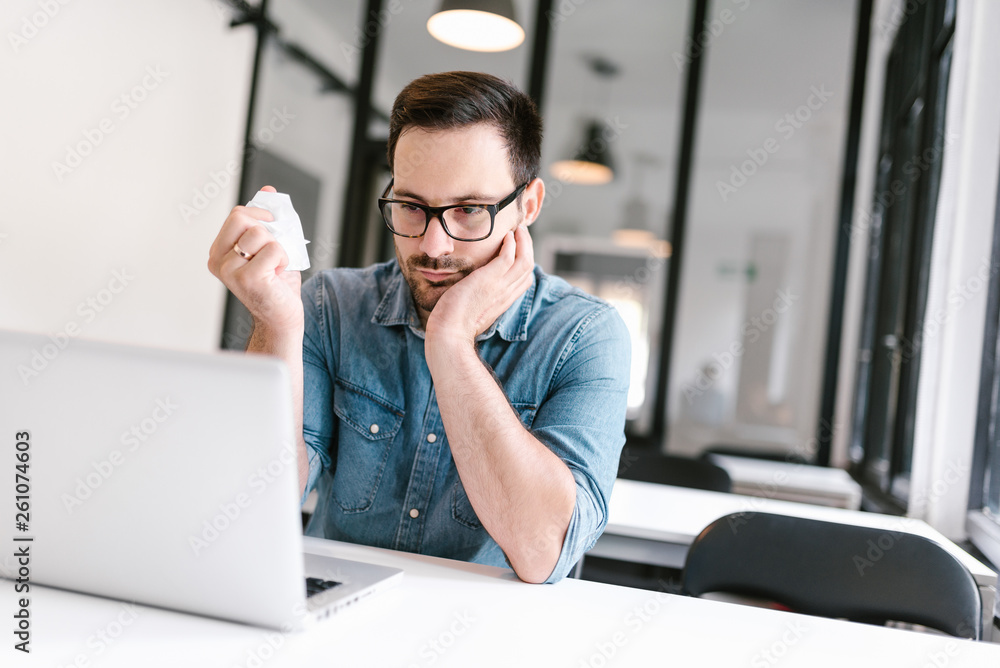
point(240, 219)
point(271, 258)
point(254, 239)
point(525, 245)
point(246, 277)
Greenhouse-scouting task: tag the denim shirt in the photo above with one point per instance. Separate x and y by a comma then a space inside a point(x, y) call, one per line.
point(378, 451)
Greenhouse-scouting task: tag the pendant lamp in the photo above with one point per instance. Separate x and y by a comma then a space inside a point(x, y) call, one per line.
point(477, 25)
point(592, 164)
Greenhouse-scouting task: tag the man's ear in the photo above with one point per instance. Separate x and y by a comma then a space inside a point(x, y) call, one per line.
point(532, 198)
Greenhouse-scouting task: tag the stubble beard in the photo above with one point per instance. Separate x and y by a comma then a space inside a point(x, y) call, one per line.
point(426, 294)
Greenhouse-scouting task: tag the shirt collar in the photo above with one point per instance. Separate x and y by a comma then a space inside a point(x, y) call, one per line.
point(397, 308)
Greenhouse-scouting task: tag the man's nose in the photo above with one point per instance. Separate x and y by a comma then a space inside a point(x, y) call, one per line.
point(436, 241)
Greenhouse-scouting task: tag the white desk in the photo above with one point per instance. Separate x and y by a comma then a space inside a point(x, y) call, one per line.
point(655, 524)
point(447, 613)
point(821, 485)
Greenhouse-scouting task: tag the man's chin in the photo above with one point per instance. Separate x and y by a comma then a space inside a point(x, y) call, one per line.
point(427, 296)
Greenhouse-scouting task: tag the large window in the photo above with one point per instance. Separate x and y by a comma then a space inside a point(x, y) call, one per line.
point(903, 210)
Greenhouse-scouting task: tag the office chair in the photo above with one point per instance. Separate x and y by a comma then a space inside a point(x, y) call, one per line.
point(672, 470)
point(835, 570)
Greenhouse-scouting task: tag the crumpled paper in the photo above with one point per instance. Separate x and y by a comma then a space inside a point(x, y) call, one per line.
point(286, 228)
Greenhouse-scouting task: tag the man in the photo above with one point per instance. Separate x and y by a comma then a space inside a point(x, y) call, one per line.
point(458, 401)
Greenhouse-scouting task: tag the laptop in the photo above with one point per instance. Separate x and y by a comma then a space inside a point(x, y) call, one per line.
point(164, 478)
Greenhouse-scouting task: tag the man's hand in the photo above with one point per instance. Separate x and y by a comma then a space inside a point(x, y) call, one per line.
point(270, 293)
point(472, 304)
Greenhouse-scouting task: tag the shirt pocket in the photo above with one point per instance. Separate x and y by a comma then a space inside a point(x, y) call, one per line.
point(367, 428)
point(461, 507)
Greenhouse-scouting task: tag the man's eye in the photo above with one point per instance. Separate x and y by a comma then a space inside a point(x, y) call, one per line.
point(410, 208)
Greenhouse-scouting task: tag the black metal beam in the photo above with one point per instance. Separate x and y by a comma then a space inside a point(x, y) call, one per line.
point(352, 233)
point(678, 224)
point(835, 318)
point(538, 66)
point(258, 17)
point(248, 14)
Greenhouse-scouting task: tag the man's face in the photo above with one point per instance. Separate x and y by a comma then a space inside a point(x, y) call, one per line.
point(464, 166)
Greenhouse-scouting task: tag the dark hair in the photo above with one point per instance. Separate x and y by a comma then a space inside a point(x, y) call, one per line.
point(452, 100)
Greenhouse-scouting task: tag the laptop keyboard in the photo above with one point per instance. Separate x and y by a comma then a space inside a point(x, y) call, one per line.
point(317, 586)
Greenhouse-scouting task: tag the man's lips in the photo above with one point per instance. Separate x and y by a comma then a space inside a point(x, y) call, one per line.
point(437, 276)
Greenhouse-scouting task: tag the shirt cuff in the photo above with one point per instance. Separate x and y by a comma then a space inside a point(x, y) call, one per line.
point(315, 468)
point(585, 526)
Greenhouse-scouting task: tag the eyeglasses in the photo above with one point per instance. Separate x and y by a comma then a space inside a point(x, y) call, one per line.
point(461, 222)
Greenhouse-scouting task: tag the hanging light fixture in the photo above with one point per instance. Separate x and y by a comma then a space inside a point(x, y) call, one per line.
point(477, 25)
point(637, 225)
point(592, 164)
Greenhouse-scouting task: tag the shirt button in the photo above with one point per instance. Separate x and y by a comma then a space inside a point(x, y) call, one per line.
point(414, 513)
point(431, 438)
point(373, 429)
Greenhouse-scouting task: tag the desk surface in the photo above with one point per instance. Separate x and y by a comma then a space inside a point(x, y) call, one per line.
point(447, 613)
point(668, 514)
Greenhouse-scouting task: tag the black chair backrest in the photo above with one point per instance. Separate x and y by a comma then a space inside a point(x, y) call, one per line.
point(835, 570)
point(672, 470)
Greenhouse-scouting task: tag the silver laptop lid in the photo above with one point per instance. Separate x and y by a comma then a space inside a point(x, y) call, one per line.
point(161, 477)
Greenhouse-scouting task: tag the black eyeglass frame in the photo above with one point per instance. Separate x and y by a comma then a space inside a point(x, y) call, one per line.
point(432, 212)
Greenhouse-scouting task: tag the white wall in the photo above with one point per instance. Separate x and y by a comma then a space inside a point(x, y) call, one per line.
point(82, 82)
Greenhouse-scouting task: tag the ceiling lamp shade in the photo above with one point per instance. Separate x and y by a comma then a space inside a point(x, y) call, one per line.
point(476, 25)
point(592, 166)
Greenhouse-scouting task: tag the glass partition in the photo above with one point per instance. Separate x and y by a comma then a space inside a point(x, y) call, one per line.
point(751, 319)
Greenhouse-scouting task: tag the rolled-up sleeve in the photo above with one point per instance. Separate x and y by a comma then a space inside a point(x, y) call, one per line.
point(318, 363)
point(582, 420)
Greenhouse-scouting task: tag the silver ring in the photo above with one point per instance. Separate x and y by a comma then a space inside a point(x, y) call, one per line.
point(242, 253)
